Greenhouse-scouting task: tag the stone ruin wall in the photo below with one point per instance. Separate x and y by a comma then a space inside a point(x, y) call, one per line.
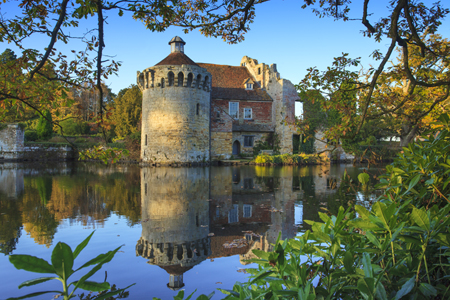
point(11, 142)
point(175, 114)
point(284, 95)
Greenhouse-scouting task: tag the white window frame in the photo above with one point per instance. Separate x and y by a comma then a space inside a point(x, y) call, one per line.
point(237, 110)
point(246, 109)
point(249, 86)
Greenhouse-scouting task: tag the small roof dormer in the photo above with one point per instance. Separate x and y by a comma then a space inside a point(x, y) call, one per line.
point(177, 44)
point(248, 84)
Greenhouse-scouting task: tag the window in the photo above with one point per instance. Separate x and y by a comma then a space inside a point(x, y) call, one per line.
point(180, 79)
point(234, 110)
point(247, 113)
point(233, 214)
point(248, 183)
point(248, 141)
point(198, 109)
point(249, 86)
point(247, 211)
point(145, 140)
point(171, 78)
point(259, 71)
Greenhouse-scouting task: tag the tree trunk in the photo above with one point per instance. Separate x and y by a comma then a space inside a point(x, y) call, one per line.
point(408, 134)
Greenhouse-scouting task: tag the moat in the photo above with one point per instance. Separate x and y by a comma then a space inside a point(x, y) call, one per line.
point(181, 228)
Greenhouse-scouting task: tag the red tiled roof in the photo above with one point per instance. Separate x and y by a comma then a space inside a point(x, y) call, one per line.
point(176, 59)
point(227, 83)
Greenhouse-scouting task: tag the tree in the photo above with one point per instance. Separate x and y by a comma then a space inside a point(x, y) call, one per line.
point(44, 128)
point(128, 110)
point(40, 74)
point(7, 56)
point(422, 70)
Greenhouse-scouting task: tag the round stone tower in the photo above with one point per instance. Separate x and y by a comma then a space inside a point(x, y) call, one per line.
point(175, 109)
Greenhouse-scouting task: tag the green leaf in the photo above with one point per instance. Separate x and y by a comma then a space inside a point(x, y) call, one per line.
point(36, 281)
point(261, 254)
point(373, 239)
point(31, 263)
point(113, 293)
point(363, 178)
point(82, 245)
point(34, 295)
point(367, 287)
point(420, 217)
point(263, 274)
point(406, 288)
point(62, 260)
point(367, 265)
point(94, 286)
point(413, 182)
point(348, 262)
point(427, 289)
point(229, 292)
point(443, 239)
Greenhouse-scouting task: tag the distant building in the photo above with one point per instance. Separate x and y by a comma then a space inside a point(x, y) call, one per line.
point(197, 112)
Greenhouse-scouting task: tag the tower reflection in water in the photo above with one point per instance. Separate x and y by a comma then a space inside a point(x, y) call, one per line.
point(193, 214)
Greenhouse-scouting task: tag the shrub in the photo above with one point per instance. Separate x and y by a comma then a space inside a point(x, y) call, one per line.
point(73, 126)
point(399, 249)
point(30, 135)
point(44, 127)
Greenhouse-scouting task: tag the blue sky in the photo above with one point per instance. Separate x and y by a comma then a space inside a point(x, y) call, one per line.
point(283, 33)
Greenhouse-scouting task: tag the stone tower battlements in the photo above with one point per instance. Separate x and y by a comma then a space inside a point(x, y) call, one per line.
point(175, 109)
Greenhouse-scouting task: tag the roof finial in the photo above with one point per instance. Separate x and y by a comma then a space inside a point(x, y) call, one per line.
point(177, 44)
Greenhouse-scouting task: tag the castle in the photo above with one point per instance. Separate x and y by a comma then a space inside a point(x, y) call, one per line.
point(198, 112)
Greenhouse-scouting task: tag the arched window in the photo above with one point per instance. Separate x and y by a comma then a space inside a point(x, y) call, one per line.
point(199, 79)
point(162, 82)
point(206, 83)
point(180, 79)
point(171, 78)
point(190, 78)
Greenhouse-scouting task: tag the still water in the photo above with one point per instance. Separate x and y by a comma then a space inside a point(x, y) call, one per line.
point(189, 228)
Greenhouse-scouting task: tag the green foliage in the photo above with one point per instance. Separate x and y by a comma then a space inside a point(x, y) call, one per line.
point(7, 56)
point(128, 109)
point(61, 267)
point(30, 135)
point(399, 249)
point(73, 126)
point(422, 171)
point(271, 142)
point(106, 155)
point(44, 128)
point(286, 159)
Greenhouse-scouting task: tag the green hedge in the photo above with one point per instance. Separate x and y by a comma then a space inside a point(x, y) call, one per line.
point(287, 159)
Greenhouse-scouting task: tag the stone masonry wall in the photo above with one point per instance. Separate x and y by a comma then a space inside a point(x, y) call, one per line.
point(11, 142)
point(257, 137)
point(284, 95)
point(221, 145)
point(175, 114)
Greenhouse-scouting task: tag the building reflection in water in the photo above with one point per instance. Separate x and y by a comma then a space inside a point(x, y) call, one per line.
point(193, 214)
point(175, 220)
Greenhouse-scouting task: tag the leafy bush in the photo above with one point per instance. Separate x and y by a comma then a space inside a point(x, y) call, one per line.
point(287, 159)
point(62, 262)
point(30, 135)
point(399, 249)
point(73, 127)
point(44, 127)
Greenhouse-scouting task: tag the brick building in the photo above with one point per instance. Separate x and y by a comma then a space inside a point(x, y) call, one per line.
point(197, 112)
